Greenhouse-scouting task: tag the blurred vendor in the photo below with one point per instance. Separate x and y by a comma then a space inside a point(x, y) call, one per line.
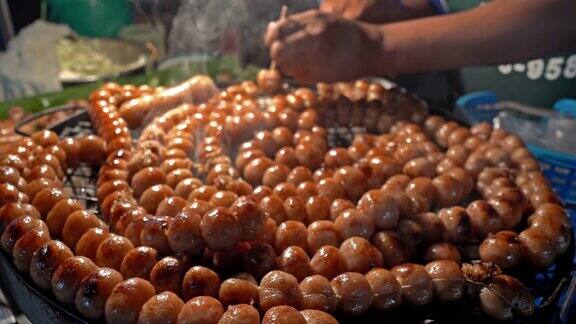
point(532, 41)
point(215, 27)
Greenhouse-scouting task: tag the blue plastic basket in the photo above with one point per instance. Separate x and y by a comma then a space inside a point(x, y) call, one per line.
point(559, 167)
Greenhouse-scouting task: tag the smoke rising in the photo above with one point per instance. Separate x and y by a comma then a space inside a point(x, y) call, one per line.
point(236, 27)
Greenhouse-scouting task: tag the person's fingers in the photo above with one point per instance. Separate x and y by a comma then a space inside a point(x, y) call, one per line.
point(344, 9)
point(295, 46)
point(278, 30)
point(310, 16)
point(296, 53)
point(286, 64)
point(329, 6)
point(275, 48)
point(271, 33)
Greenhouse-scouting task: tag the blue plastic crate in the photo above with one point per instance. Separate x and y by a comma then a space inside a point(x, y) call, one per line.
point(560, 169)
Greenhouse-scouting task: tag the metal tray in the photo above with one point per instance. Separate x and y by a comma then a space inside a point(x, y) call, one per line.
point(132, 57)
point(553, 289)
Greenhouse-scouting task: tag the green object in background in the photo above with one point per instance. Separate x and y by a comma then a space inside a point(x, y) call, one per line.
point(94, 18)
point(224, 70)
point(82, 91)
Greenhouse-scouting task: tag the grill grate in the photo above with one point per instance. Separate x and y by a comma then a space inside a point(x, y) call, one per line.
point(550, 287)
point(80, 181)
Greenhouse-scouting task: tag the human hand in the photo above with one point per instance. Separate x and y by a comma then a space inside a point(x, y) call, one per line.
point(378, 11)
point(317, 47)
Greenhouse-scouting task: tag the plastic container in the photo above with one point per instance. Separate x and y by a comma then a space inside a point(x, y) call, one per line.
point(558, 166)
point(94, 18)
point(560, 169)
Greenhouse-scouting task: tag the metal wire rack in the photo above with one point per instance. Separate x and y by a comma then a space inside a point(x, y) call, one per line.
point(80, 181)
point(548, 287)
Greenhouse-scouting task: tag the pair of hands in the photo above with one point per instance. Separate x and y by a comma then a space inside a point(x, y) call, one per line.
point(336, 43)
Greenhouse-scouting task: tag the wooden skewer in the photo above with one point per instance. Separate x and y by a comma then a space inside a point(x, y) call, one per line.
point(283, 14)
